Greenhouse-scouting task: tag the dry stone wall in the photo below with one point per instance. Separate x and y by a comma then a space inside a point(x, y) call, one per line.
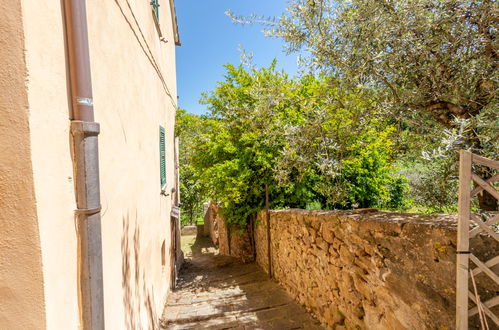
point(234, 242)
point(366, 269)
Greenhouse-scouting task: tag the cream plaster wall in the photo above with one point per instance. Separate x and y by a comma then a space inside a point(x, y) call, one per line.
point(133, 73)
point(21, 278)
point(52, 166)
point(134, 90)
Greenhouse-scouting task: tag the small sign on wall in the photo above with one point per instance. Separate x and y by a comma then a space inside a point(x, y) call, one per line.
point(175, 213)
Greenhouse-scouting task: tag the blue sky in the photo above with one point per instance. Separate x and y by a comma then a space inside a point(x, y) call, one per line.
point(210, 39)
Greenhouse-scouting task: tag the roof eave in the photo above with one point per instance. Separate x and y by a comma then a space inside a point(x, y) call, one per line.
point(173, 14)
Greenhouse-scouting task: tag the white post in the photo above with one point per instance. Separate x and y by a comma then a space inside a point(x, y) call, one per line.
point(463, 243)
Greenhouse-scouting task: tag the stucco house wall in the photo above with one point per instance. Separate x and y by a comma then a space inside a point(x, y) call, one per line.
point(21, 279)
point(134, 89)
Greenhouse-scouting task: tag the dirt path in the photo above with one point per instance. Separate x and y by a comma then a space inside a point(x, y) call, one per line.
point(217, 292)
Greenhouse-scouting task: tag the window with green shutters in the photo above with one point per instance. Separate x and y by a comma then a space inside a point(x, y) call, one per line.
point(155, 8)
point(162, 156)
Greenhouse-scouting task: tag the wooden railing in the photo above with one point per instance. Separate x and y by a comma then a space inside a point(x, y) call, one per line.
point(483, 224)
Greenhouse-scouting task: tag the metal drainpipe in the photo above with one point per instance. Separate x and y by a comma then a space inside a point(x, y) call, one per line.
point(84, 132)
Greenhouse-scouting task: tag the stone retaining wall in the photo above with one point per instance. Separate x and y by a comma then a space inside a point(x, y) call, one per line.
point(366, 269)
point(239, 245)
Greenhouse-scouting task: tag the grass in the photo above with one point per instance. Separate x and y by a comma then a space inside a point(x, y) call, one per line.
point(186, 242)
point(198, 220)
point(422, 209)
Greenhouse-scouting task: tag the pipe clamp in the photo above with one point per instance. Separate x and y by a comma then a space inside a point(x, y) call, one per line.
point(88, 211)
point(84, 127)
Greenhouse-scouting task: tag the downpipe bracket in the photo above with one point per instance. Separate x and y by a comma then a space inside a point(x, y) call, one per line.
point(89, 237)
point(84, 127)
point(88, 211)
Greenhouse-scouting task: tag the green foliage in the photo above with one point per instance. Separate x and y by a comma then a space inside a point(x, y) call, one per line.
point(436, 196)
point(233, 157)
point(432, 65)
point(316, 145)
point(486, 126)
point(369, 173)
point(398, 189)
point(313, 205)
point(430, 55)
point(188, 127)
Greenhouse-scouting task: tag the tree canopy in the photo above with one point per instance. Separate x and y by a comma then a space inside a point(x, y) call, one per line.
point(421, 59)
point(394, 88)
point(310, 141)
point(431, 55)
point(188, 127)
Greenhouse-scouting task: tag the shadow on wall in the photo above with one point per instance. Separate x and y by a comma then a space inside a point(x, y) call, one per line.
point(136, 295)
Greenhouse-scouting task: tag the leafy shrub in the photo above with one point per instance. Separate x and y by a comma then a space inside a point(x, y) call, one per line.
point(434, 184)
point(398, 190)
point(316, 145)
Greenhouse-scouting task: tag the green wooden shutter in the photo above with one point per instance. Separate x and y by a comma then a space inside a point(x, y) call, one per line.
point(155, 7)
point(162, 157)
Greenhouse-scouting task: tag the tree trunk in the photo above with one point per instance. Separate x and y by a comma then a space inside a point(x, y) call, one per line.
point(191, 216)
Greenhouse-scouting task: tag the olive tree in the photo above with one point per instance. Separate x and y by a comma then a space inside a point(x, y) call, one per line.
point(437, 57)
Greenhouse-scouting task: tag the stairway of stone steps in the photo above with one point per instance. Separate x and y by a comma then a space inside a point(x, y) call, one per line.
point(219, 292)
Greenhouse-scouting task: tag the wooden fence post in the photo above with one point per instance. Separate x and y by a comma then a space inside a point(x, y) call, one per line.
point(268, 229)
point(465, 159)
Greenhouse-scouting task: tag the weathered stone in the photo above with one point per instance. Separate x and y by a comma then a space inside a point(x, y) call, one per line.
point(381, 270)
point(306, 239)
point(240, 245)
point(333, 253)
point(363, 287)
point(327, 232)
point(346, 255)
point(312, 234)
point(365, 263)
point(230, 295)
point(321, 244)
point(358, 250)
point(337, 243)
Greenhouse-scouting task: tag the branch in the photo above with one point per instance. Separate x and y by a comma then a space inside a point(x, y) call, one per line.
point(443, 111)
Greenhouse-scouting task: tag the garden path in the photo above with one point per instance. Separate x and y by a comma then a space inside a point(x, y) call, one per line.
point(219, 292)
